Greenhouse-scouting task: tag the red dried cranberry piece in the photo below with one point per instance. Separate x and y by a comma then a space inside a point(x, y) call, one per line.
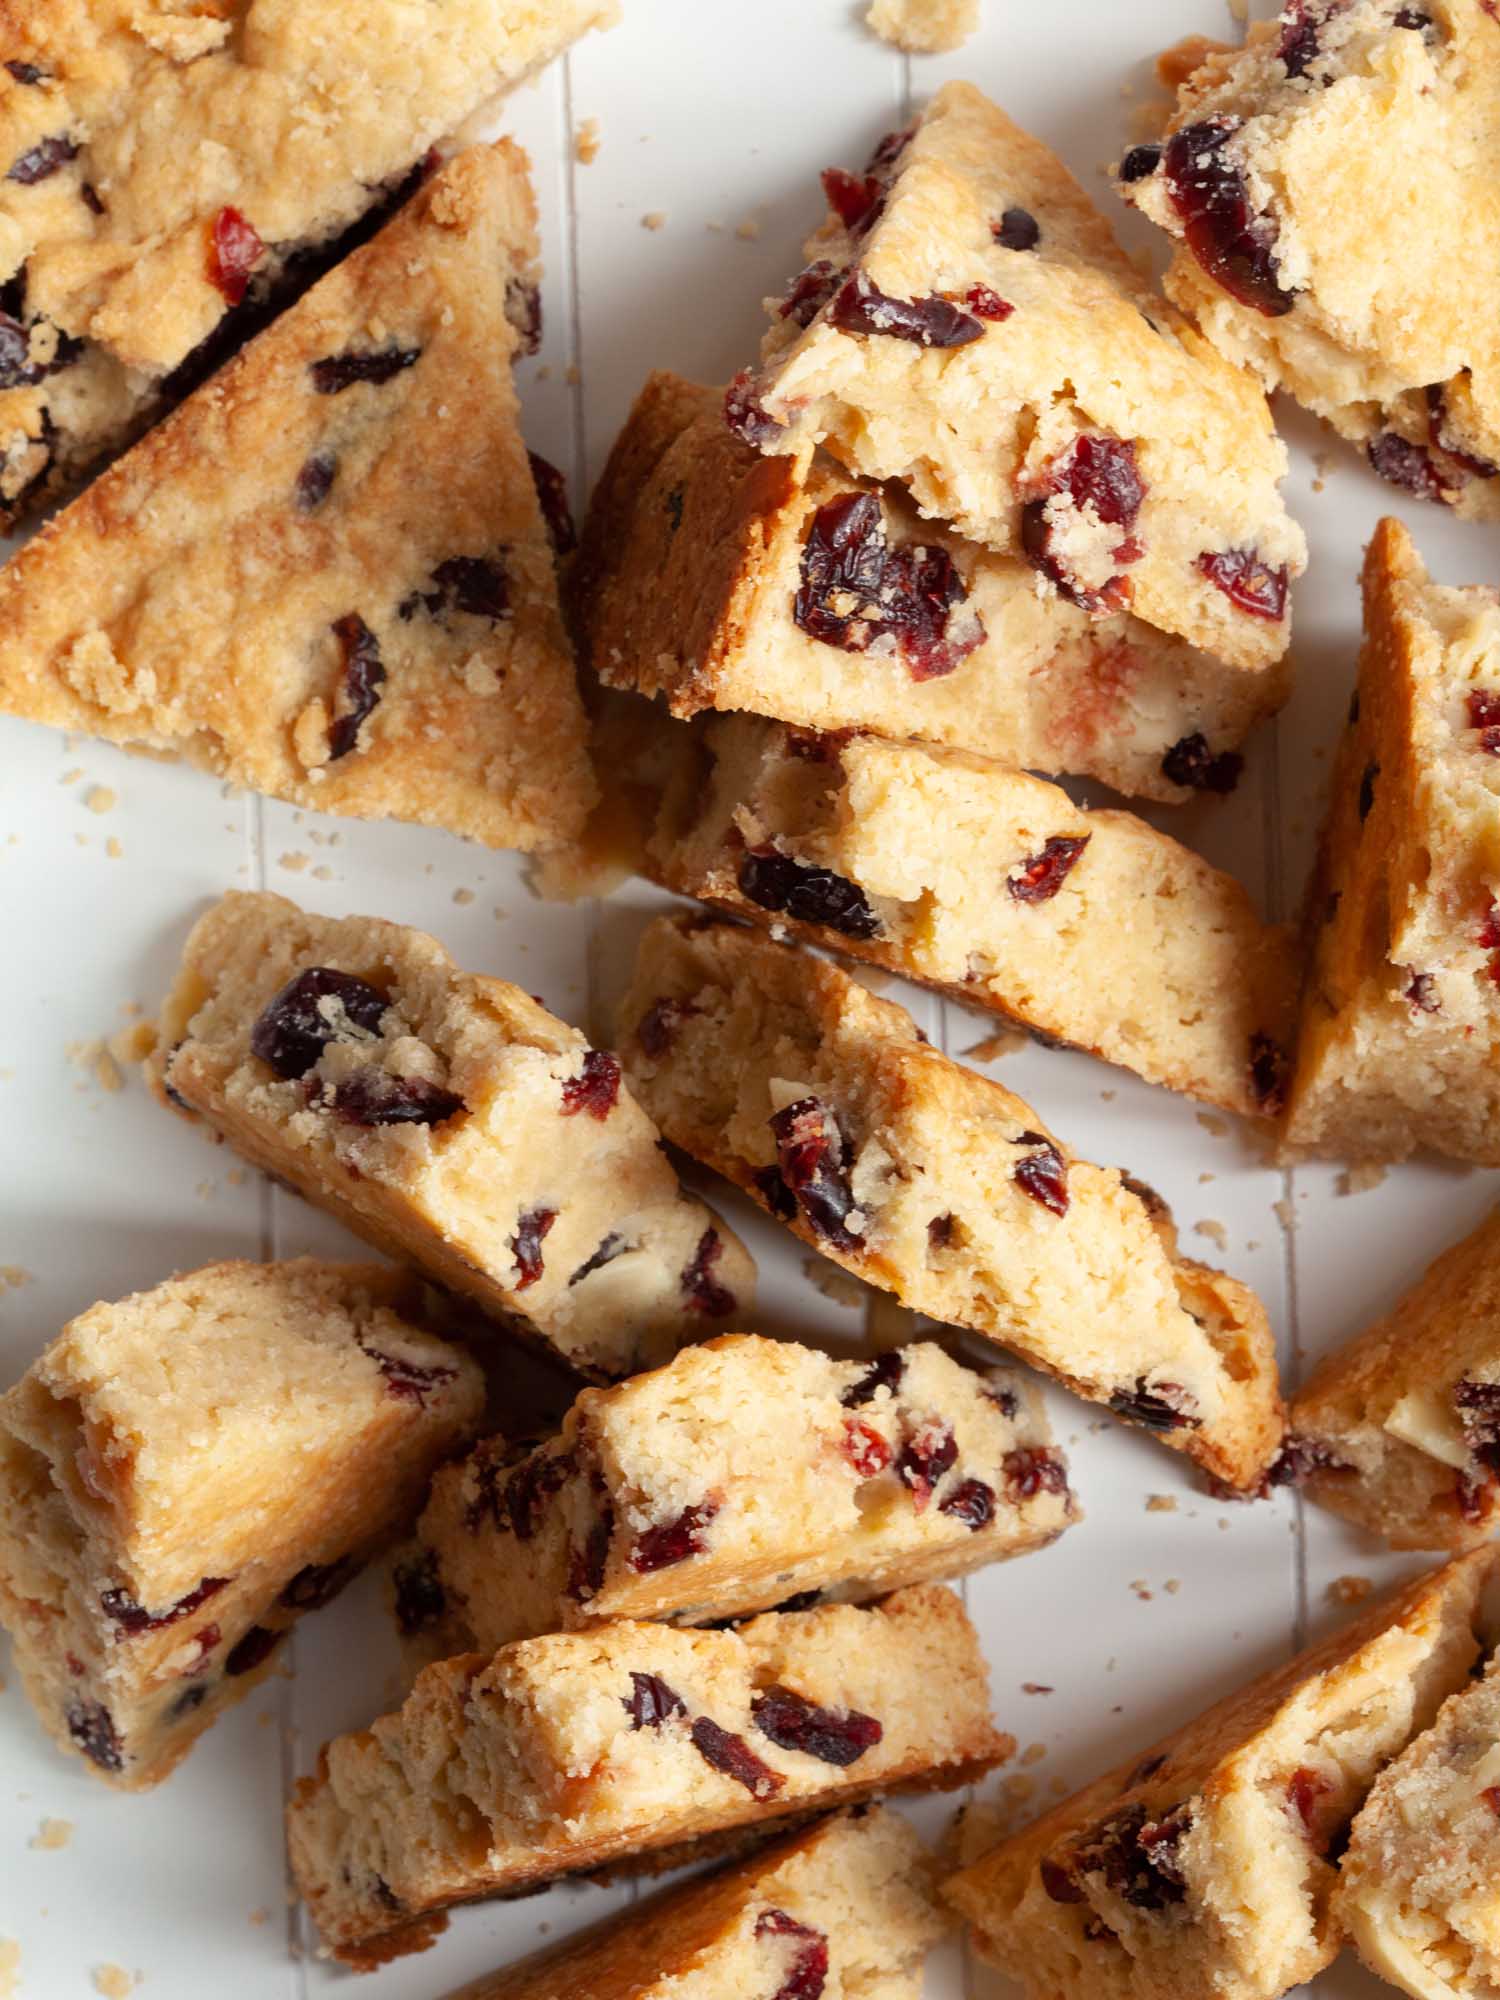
point(363, 675)
point(1491, 1797)
point(527, 1244)
point(1099, 474)
point(831, 1735)
point(885, 1372)
point(1139, 163)
point(1017, 229)
point(421, 1601)
point(1043, 874)
point(927, 1456)
point(552, 496)
point(810, 1150)
point(652, 1701)
point(985, 304)
point(700, 1287)
point(775, 1193)
point(1301, 34)
point(1422, 993)
point(133, 1619)
point(613, 1245)
point(1478, 1407)
point(258, 1644)
point(205, 1639)
point(586, 1565)
point(1250, 585)
point(860, 307)
point(317, 1584)
point(27, 72)
point(372, 1096)
point(1193, 765)
point(595, 1089)
point(234, 250)
point(17, 370)
point(1304, 1788)
point(1488, 933)
point(858, 592)
point(408, 1380)
point(315, 481)
point(890, 149)
point(293, 1030)
point(1408, 466)
point(1006, 1401)
point(808, 894)
point(675, 1540)
point(1159, 1406)
point(1484, 715)
point(658, 1025)
point(746, 416)
point(1059, 1881)
point(809, 1969)
point(41, 161)
point(1042, 1174)
point(1367, 790)
point(971, 1502)
point(520, 1504)
point(852, 197)
point(1472, 1498)
point(92, 1728)
point(1138, 1855)
point(733, 1756)
point(1442, 437)
point(1033, 1469)
point(1268, 1068)
point(337, 372)
point(810, 291)
point(477, 585)
point(1234, 245)
point(523, 308)
point(865, 1449)
point(1299, 1457)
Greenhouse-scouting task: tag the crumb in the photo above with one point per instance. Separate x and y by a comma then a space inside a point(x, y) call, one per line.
point(52, 1834)
point(113, 1981)
point(1161, 1503)
point(71, 777)
point(833, 1283)
point(13, 1276)
point(293, 861)
point(236, 1177)
point(654, 219)
point(1004, 1042)
point(463, 897)
point(100, 799)
point(1017, 1790)
point(132, 1044)
point(1033, 1753)
point(1223, 1525)
point(1349, 1589)
point(1172, 1585)
point(586, 142)
point(113, 848)
point(1282, 1210)
point(1107, 1096)
point(1142, 1589)
point(1035, 1687)
point(10, 1968)
point(924, 27)
point(573, 375)
point(322, 873)
point(1360, 1179)
point(1175, 65)
point(260, 1916)
point(748, 231)
point(1213, 1124)
point(1216, 1233)
point(1204, 1179)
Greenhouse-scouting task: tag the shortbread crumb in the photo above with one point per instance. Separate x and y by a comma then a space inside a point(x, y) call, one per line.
point(1161, 1503)
point(1216, 1233)
point(586, 142)
point(994, 1047)
point(113, 1981)
point(654, 219)
point(1360, 1179)
point(52, 1834)
point(100, 799)
point(1349, 1589)
point(924, 27)
point(10, 1968)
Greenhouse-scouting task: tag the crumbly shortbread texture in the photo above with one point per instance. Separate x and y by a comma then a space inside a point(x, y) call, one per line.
point(924, 27)
point(967, 324)
point(1399, 1047)
point(328, 575)
point(561, 1754)
point(746, 1472)
point(851, 1900)
point(450, 1120)
point(1203, 1866)
point(185, 1472)
point(826, 1105)
point(1419, 1888)
point(170, 173)
point(712, 576)
point(993, 887)
point(1330, 188)
point(1399, 1430)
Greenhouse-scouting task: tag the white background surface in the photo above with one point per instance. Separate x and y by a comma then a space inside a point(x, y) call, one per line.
point(717, 117)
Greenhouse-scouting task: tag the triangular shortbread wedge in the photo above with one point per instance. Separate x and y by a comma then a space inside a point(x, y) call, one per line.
point(1330, 190)
point(170, 173)
point(827, 1106)
point(968, 324)
point(1204, 1865)
point(328, 575)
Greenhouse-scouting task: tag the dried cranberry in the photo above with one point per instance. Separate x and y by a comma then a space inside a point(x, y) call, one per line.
point(27, 72)
point(1299, 1457)
point(315, 481)
point(527, 1244)
point(985, 304)
point(363, 674)
point(1268, 1067)
point(853, 198)
point(1191, 764)
point(337, 372)
point(1442, 437)
point(890, 149)
point(613, 1245)
point(810, 1149)
point(971, 1502)
point(1304, 1788)
point(857, 591)
point(1234, 245)
point(595, 1089)
point(831, 1735)
point(17, 370)
point(372, 1096)
point(1414, 17)
point(234, 250)
point(1301, 34)
point(477, 585)
point(408, 1380)
point(860, 307)
point(523, 308)
point(133, 1619)
point(675, 1540)
point(810, 291)
point(885, 1372)
point(318, 1584)
point(1408, 466)
point(1422, 993)
point(1042, 1174)
point(1017, 229)
point(865, 1449)
point(652, 1701)
point(1472, 1498)
point(1139, 163)
point(552, 497)
point(1059, 1881)
point(809, 1969)
point(520, 1504)
point(421, 1601)
point(586, 1565)
point(258, 1644)
point(1043, 874)
point(775, 1193)
point(658, 1025)
point(1484, 716)
point(1138, 1855)
point(1033, 1469)
point(294, 1029)
point(700, 1287)
point(92, 1728)
point(1491, 1797)
point(746, 416)
point(190, 1699)
point(1159, 1406)
point(1099, 475)
point(1478, 1407)
point(41, 161)
point(1251, 585)
point(1006, 1401)
point(927, 1456)
point(733, 1756)
point(1367, 790)
point(808, 894)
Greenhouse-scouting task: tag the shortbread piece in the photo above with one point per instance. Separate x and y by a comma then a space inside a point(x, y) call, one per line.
point(721, 579)
point(745, 1473)
point(1399, 1046)
point(172, 173)
point(1400, 1429)
point(967, 324)
point(451, 1120)
point(561, 1754)
point(924, 27)
point(826, 1106)
point(1419, 1888)
point(186, 1472)
point(845, 1909)
point(1331, 191)
point(328, 575)
point(1204, 1866)
point(993, 887)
